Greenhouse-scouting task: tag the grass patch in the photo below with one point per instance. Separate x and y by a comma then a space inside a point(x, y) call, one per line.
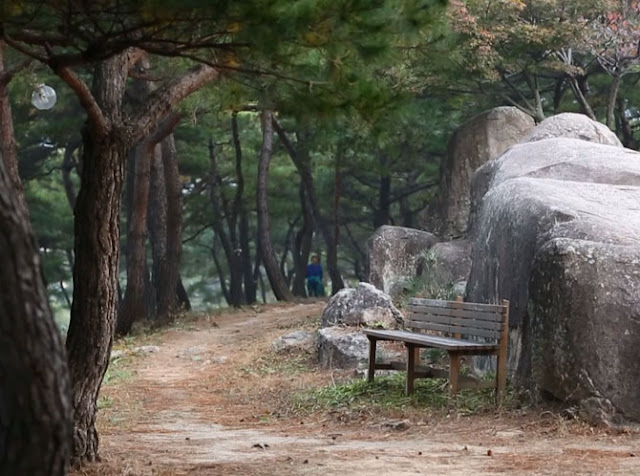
point(387, 393)
point(119, 370)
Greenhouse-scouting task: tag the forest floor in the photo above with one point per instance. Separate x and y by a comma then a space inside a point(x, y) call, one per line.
point(211, 398)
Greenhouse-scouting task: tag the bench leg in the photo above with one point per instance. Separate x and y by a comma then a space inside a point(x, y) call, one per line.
point(412, 352)
point(501, 378)
point(454, 371)
point(372, 359)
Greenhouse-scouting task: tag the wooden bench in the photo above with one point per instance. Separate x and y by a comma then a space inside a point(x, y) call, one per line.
point(454, 319)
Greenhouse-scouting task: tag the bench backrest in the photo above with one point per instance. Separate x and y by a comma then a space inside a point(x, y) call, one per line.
point(459, 318)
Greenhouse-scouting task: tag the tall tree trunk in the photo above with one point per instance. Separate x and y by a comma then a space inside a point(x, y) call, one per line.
point(304, 241)
point(157, 217)
point(134, 304)
point(250, 285)
point(166, 274)
point(231, 249)
point(97, 252)
point(35, 394)
point(8, 145)
point(277, 281)
point(107, 138)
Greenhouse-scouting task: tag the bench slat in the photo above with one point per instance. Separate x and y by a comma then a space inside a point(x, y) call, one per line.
point(455, 321)
point(469, 306)
point(470, 331)
point(491, 316)
point(438, 342)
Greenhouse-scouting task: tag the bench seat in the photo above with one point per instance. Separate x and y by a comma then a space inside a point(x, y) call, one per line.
point(437, 342)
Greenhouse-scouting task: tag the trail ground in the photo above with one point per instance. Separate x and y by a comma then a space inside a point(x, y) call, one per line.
point(211, 398)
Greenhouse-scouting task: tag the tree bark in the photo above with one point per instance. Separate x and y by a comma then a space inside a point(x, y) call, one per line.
point(227, 240)
point(8, 145)
point(166, 275)
point(580, 96)
point(625, 127)
point(157, 218)
point(97, 252)
point(183, 297)
point(134, 304)
point(35, 393)
point(277, 281)
point(616, 79)
point(303, 243)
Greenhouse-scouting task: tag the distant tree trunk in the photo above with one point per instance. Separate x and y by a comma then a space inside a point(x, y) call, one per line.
point(303, 243)
point(35, 394)
point(625, 127)
point(250, 285)
point(97, 253)
point(134, 304)
point(278, 284)
point(8, 145)
point(166, 273)
point(183, 297)
point(221, 274)
point(383, 213)
point(579, 85)
point(616, 79)
point(227, 240)
point(301, 160)
point(240, 216)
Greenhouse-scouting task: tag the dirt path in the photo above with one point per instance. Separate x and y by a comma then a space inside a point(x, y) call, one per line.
point(208, 402)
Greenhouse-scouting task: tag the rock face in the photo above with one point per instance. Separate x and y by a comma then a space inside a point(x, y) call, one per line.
point(342, 348)
point(556, 230)
point(574, 126)
point(481, 139)
point(451, 262)
point(394, 253)
point(363, 305)
point(294, 341)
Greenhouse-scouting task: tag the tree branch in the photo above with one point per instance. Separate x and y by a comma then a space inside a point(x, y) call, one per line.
point(94, 113)
point(160, 102)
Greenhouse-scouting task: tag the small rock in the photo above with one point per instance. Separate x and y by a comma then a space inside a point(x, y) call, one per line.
point(116, 354)
point(146, 349)
point(401, 425)
point(298, 340)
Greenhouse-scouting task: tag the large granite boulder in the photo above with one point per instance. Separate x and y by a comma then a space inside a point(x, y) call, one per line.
point(393, 256)
point(585, 317)
point(448, 262)
point(363, 305)
point(557, 232)
point(481, 139)
point(566, 159)
point(342, 348)
point(575, 126)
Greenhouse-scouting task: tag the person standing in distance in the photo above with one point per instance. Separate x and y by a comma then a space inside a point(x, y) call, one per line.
point(314, 277)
